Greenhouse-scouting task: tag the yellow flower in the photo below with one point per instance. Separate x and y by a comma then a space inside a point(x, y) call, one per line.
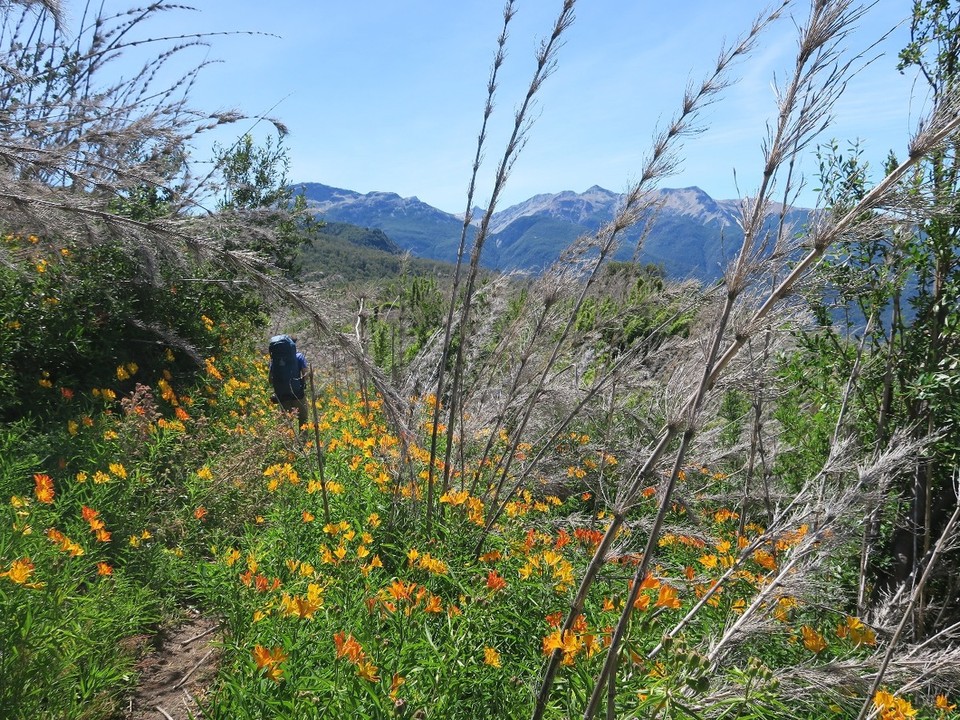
point(119, 470)
point(434, 605)
point(812, 640)
point(368, 671)
point(212, 369)
point(858, 633)
point(315, 593)
point(491, 657)
point(395, 684)
point(552, 642)
point(765, 559)
point(20, 571)
point(708, 561)
point(944, 704)
point(892, 707)
point(668, 597)
point(43, 488)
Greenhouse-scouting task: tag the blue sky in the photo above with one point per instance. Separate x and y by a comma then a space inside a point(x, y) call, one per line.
point(387, 94)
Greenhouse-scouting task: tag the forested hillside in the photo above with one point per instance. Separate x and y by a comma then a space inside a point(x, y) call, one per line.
point(591, 491)
point(340, 253)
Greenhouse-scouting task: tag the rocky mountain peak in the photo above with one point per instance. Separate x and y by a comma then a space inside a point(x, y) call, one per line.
point(690, 234)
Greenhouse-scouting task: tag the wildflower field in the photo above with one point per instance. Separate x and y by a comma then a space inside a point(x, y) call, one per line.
point(588, 492)
point(157, 489)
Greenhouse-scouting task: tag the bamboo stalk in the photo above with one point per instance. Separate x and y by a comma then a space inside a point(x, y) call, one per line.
point(320, 457)
point(908, 612)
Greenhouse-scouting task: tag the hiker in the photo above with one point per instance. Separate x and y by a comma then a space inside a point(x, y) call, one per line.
point(288, 373)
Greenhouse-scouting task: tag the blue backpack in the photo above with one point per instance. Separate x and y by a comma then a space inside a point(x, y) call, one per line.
point(284, 367)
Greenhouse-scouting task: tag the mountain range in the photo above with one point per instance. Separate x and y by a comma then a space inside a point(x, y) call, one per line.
point(691, 235)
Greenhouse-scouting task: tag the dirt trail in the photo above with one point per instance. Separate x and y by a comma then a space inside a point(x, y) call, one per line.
point(175, 671)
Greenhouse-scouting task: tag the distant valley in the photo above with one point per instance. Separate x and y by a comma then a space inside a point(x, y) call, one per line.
point(692, 235)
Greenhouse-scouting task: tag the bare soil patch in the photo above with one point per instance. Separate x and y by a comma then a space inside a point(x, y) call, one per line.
point(175, 669)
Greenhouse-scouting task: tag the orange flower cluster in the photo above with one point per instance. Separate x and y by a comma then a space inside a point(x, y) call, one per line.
point(302, 607)
point(280, 473)
point(765, 560)
point(668, 539)
point(259, 582)
point(166, 392)
point(269, 660)
point(812, 640)
point(495, 582)
point(667, 595)
point(43, 488)
point(66, 544)
point(724, 515)
point(425, 561)
point(348, 648)
point(858, 633)
point(408, 596)
point(588, 537)
point(572, 642)
point(472, 505)
point(346, 534)
point(19, 573)
point(791, 538)
point(97, 526)
point(212, 369)
point(891, 707)
point(550, 565)
point(527, 504)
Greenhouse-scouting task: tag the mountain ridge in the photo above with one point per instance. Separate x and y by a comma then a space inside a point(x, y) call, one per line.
point(690, 234)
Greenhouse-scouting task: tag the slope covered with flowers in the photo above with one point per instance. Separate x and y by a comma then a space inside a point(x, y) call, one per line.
point(158, 486)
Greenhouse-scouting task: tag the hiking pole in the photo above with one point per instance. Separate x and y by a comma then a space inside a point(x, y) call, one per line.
point(316, 441)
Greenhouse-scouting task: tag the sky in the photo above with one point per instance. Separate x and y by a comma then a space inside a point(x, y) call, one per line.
point(387, 95)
